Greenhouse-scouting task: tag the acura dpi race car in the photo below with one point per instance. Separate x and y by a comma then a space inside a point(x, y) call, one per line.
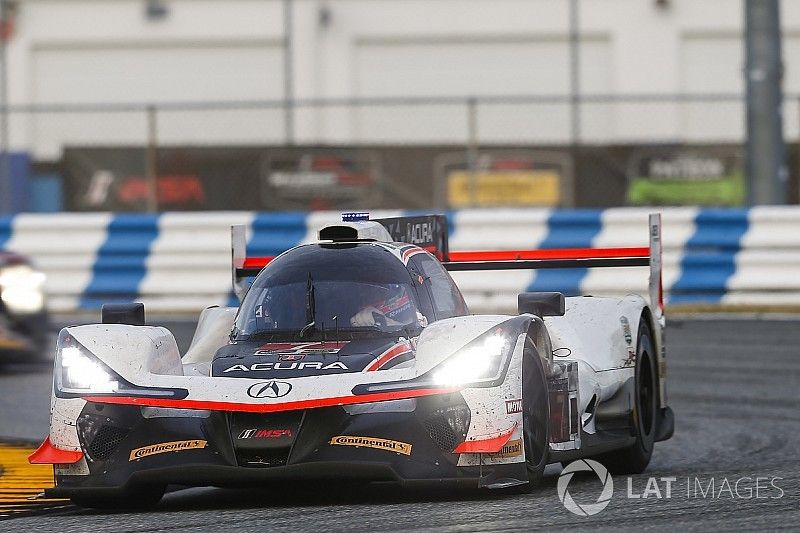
point(356, 358)
point(24, 323)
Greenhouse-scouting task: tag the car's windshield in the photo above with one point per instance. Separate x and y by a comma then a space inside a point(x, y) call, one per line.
point(319, 291)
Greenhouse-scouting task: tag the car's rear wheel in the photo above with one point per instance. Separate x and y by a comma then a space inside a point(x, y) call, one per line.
point(534, 415)
point(634, 460)
point(130, 499)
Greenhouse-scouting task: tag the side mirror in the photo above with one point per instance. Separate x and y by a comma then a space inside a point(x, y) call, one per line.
point(541, 304)
point(130, 314)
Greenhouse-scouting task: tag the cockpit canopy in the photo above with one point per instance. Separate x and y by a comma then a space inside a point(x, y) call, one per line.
point(355, 289)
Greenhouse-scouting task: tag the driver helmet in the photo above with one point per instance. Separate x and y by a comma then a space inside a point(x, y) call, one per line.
point(394, 301)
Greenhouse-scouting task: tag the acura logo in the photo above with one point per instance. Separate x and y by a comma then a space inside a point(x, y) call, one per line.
point(270, 389)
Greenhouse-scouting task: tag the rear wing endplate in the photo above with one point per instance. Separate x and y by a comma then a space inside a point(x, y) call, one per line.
point(238, 260)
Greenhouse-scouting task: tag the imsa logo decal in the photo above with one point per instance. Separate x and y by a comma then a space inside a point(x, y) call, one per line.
point(369, 442)
point(265, 434)
point(164, 447)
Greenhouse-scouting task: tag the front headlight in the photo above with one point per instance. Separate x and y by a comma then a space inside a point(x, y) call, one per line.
point(484, 359)
point(21, 289)
point(79, 373)
point(483, 362)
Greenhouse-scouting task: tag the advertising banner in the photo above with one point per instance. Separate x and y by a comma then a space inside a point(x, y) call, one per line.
point(333, 180)
point(114, 179)
point(504, 179)
point(686, 177)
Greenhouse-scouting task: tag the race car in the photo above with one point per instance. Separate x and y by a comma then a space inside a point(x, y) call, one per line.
point(356, 358)
point(24, 323)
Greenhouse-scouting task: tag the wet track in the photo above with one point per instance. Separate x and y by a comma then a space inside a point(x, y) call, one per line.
point(735, 389)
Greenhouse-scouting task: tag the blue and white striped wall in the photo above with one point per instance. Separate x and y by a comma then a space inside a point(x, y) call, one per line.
point(181, 261)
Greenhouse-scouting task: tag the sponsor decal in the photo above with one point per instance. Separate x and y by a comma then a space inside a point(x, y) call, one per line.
point(513, 406)
point(264, 433)
point(291, 356)
point(300, 348)
point(164, 447)
point(630, 360)
point(370, 442)
point(626, 330)
point(293, 365)
point(562, 352)
point(270, 389)
point(513, 448)
point(424, 231)
point(419, 233)
point(393, 305)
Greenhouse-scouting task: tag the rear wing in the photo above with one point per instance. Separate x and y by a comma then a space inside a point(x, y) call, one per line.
point(430, 232)
point(573, 258)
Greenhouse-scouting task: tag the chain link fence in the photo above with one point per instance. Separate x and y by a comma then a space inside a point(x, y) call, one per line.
point(433, 152)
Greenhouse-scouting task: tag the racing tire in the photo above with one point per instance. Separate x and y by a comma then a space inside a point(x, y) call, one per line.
point(535, 410)
point(634, 460)
point(140, 498)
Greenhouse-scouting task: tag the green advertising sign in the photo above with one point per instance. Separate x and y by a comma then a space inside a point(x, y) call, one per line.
point(682, 178)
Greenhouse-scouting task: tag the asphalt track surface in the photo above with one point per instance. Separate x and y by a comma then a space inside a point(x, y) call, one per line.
point(735, 389)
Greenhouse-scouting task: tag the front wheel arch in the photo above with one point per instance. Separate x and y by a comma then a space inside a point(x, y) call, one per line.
point(635, 458)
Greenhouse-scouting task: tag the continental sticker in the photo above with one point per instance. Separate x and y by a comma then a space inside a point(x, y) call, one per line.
point(164, 447)
point(513, 448)
point(369, 442)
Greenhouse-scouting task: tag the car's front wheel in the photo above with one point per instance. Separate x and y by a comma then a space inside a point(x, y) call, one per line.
point(534, 414)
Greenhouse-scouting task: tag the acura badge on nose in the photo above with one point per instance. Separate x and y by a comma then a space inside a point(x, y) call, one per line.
point(270, 389)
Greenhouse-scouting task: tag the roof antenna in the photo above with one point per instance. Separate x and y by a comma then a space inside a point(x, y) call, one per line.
point(336, 325)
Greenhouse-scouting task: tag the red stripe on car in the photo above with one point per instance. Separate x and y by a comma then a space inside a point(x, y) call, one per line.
point(412, 251)
point(209, 405)
point(561, 253)
point(395, 351)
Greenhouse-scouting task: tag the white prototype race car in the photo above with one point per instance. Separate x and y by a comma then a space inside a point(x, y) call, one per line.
point(356, 358)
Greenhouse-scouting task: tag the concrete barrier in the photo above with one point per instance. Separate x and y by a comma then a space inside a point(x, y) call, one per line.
point(180, 262)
